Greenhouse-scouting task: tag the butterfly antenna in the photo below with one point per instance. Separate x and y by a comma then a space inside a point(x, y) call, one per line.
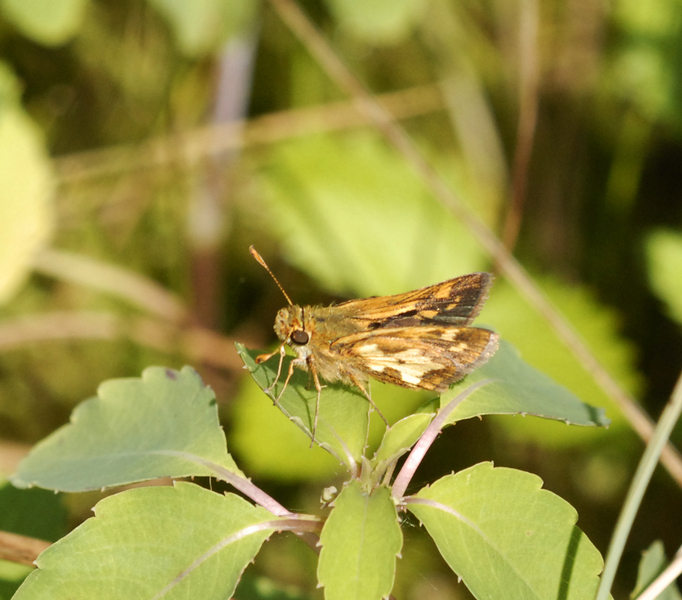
point(260, 260)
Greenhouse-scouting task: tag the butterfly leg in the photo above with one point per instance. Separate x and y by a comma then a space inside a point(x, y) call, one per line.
point(309, 366)
point(304, 363)
point(357, 383)
point(297, 362)
point(316, 379)
point(261, 358)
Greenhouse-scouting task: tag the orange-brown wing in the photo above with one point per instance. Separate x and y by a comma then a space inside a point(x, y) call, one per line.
point(430, 358)
point(453, 302)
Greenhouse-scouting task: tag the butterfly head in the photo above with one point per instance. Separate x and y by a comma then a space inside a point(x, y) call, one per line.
point(290, 327)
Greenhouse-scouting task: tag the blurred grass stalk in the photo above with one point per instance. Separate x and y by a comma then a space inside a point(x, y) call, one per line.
point(193, 146)
point(669, 417)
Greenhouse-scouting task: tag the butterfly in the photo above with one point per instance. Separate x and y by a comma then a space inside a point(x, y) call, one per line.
point(420, 340)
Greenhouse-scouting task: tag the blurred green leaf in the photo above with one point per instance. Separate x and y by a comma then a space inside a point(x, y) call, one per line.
point(641, 75)
point(378, 21)
point(351, 214)
point(34, 513)
point(10, 89)
point(161, 425)
point(653, 563)
point(664, 256)
point(652, 20)
point(141, 541)
point(499, 521)
point(26, 190)
point(263, 588)
point(642, 71)
point(201, 26)
point(360, 542)
point(48, 22)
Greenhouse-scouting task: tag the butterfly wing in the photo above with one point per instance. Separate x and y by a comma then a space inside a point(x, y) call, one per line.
point(430, 358)
point(454, 302)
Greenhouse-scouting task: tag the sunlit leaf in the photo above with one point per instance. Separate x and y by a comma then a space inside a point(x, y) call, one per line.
point(202, 25)
point(164, 424)
point(508, 538)
point(154, 542)
point(49, 22)
point(360, 542)
point(26, 190)
point(664, 254)
point(352, 215)
point(400, 438)
point(378, 21)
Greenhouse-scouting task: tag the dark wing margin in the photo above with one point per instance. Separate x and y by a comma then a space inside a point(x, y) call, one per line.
point(454, 302)
point(430, 358)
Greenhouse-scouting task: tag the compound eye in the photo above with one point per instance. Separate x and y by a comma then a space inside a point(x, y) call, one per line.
point(300, 337)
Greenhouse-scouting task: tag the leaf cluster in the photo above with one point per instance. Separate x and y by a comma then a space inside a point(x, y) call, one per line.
point(495, 527)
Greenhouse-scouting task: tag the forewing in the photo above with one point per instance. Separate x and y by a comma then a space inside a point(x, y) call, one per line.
point(453, 302)
point(430, 358)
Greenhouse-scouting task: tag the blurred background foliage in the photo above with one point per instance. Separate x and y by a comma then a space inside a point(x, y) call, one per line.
point(144, 145)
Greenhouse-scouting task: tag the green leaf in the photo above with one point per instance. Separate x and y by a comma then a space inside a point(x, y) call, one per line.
point(344, 412)
point(11, 576)
point(506, 537)
point(258, 587)
point(378, 21)
point(26, 191)
point(360, 542)
point(287, 456)
point(653, 563)
point(164, 424)
point(34, 513)
point(202, 26)
point(399, 438)
point(540, 347)
point(171, 542)
point(352, 215)
point(48, 22)
point(517, 388)
point(664, 255)
point(10, 88)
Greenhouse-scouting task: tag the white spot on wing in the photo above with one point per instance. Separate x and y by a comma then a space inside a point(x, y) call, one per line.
point(409, 378)
point(368, 349)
